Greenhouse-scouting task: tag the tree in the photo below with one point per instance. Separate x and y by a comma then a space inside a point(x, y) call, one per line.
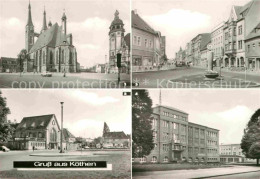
point(6, 130)
point(142, 137)
point(250, 143)
point(22, 56)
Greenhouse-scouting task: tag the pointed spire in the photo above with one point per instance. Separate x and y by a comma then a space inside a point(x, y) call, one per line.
point(29, 21)
point(44, 25)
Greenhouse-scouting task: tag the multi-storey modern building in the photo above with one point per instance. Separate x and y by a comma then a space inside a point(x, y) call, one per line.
point(232, 153)
point(217, 43)
point(146, 46)
point(177, 139)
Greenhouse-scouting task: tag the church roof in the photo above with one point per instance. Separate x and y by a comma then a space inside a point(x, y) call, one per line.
point(52, 37)
point(39, 122)
point(115, 135)
point(139, 23)
point(66, 133)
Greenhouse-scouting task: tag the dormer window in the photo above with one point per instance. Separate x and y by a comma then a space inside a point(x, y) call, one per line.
point(24, 125)
point(42, 123)
point(33, 124)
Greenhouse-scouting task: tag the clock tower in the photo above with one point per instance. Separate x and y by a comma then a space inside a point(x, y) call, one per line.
point(116, 37)
point(29, 31)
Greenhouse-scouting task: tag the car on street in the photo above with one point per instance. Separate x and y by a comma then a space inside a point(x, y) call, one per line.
point(46, 74)
point(4, 149)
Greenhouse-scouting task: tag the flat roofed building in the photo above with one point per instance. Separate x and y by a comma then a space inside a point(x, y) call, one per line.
point(177, 139)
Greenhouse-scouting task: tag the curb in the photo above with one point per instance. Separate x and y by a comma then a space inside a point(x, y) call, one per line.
point(226, 174)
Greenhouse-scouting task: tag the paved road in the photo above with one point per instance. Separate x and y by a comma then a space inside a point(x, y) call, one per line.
point(163, 79)
point(120, 160)
point(77, 80)
point(251, 175)
point(199, 173)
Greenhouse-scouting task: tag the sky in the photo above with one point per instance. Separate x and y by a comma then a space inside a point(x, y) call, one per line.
point(87, 20)
point(224, 109)
point(181, 20)
point(85, 111)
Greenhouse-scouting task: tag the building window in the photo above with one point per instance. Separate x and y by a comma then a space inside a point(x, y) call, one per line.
point(165, 159)
point(139, 41)
point(135, 40)
point(150, 44)
point(154, 159)
point(40, 135)
point(143, 159)
point(145, 43)
point(240, 30)
point(248, 48)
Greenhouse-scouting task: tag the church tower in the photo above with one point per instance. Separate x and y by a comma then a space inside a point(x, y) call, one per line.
point(116, 37)
point(29, 31)
point(64, 24)
point(44, 24)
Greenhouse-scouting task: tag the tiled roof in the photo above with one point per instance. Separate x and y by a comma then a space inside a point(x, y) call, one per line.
point(139, 23)
point(52, 37)
point(37, 122)
point(205, 39)
point(66, 133)
point(246, 6)
point(237, 10)
point(115, 135)
point(254, 33)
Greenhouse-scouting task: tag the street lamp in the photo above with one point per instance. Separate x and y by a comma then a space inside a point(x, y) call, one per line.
point(61, 132)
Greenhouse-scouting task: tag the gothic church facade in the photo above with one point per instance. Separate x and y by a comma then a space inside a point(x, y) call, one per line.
point(53, 49)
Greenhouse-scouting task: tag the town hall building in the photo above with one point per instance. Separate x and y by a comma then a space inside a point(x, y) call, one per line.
point(50, 50)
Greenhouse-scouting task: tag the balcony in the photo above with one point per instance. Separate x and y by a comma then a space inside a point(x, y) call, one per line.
point(176, 141)
point(177, 148)
point(230, 51)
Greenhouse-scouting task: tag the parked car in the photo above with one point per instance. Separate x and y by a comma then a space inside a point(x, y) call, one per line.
point(46, 74)
point(4, 149)
point(86, 147)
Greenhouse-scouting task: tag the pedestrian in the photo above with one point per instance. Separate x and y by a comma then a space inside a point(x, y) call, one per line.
point(33, 148)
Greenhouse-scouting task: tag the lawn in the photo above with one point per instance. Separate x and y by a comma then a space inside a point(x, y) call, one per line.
point(170, 166)
point(121, 168)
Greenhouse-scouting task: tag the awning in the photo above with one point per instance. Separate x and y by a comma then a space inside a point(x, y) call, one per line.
point(214, 59)
point(225, 57)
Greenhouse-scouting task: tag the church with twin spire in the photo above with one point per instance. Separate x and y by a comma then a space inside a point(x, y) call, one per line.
point(50, 50)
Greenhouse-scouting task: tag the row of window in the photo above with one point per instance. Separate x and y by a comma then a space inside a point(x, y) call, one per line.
point(253, 46)
point(33, 134)
point(38, 144)
point(174, 116)
point(229, 153)
point(212, 151)
point(212, 134)
point(41, 55)
point(138, 41)
point(210, 142)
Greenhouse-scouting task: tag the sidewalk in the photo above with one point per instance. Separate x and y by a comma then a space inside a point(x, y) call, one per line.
point(200, 173)
point(248, 72)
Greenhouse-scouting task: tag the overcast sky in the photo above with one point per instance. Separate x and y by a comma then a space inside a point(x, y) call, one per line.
point(182, 20)
point(87, 20)
point(226, 110)
point(85, 111)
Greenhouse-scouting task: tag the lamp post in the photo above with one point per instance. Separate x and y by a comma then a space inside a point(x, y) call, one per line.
point(61, 132)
